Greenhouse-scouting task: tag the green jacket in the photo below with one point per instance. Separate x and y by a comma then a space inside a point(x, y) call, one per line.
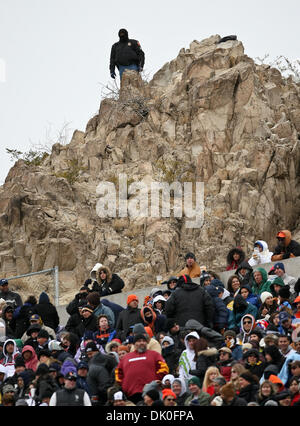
point(203, 399)
point(265, 284)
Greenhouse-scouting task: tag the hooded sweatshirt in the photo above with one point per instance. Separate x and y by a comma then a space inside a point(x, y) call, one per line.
point(261, 257)
point(32, 363)
point(186, 360)
point(243, 337)
point(9, 360)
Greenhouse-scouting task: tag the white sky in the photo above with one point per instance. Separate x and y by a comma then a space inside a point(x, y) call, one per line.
point(54, 54)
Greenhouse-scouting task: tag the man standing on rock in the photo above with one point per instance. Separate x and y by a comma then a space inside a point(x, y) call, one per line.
point(126, 54)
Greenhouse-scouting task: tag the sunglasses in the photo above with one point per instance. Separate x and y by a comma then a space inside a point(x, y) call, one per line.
point(294, 366)
point(280, 238)
point(170, 399)
point(246, 322)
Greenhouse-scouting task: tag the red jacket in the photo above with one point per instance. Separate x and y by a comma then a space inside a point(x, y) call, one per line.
point(136, 369)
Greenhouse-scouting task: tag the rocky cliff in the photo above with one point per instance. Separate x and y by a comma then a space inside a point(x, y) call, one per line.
point(211, 115)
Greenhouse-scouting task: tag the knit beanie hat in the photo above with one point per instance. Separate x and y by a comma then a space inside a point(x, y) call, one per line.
point(131, 298)
point(265, 295)
point(248, 376)
point(138, 329)
point(168, 392)
point(153, 394)
point(196, 381)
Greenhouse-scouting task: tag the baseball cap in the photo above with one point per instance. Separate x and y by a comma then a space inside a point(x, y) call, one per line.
point(35, 317)
point(280, 235)
point(3, 282)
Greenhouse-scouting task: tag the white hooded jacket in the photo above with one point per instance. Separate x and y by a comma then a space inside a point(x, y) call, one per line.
point(186, 360)
point(261, 257)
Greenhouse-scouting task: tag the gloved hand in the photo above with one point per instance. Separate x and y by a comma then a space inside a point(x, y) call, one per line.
point(87, 282)
point(113, 75)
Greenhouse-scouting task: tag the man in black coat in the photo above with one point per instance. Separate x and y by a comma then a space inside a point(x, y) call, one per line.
point(190, 301)
point(126, 54)
point(47, 311)
point(128, 317)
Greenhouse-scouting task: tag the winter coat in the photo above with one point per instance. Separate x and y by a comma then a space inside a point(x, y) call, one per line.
point(221, 314)
point(291, 248)
point(205, 359)
point(10, 325)
point(252, 298)
point(113, 283)
point(47, 311)
point(99, 377)
point(127, 318)
point(248, 277)
point(126, 52)
point(87, 324)
point(240, 308)
point(193, 272)
point(171, 355)
point(21, 316)
point(11, 298)
point(236, 402)
point(190, 302)
point(231, 263)
point(265, 285)
point(261, 257)
point(156, 322)
point(203, 399)
point(249, 393)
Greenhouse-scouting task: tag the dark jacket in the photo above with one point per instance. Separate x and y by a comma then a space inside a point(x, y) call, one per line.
point(248, 278)
point(100, 377)
point(190, 302)
point(290, 249)
point(21, 316)
point(221, 314)
point(205, 359)
point(127, 318)
point(236, 402)
point(87, 324)
point(213, 337)
point(47, 311)
point(249, 393)
point(111, 285)
point(11, 298)
point(127, 52)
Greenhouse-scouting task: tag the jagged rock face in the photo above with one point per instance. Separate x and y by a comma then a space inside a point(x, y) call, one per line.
point(211, 115)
